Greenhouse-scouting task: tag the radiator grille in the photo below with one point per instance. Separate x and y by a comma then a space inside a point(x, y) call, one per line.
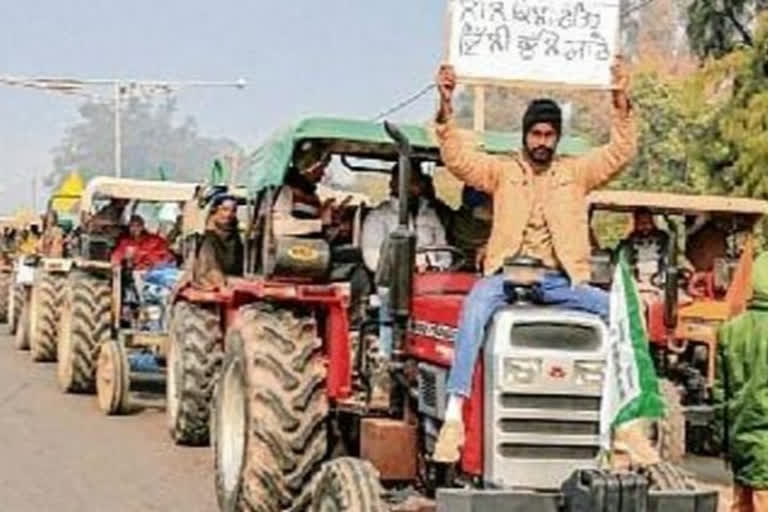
point(540, 452)
point(568, 403)
point(432, 380)
point(524, 426)
point(428, 387)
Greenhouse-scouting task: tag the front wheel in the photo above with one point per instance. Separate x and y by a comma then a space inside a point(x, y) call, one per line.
point(670, 430)
point(347, 484)
point(113, 378)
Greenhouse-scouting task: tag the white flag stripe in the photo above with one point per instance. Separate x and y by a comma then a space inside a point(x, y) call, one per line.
point(622, 379)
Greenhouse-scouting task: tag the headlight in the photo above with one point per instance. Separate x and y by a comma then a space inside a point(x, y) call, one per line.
point(589, 373)
point(520, 371)
point(153, 313)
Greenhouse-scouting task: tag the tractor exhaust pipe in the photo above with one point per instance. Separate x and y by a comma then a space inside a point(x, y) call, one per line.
point(402, 242)
point(404, 150)
point(671, 283)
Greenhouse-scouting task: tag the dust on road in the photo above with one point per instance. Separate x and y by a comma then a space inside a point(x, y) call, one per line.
point(60, 454)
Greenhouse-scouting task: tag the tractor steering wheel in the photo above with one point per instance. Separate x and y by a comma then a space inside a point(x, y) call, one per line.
point(459, 258)
point(684, 278)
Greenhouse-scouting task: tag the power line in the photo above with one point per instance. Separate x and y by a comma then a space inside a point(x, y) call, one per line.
point(405, 103)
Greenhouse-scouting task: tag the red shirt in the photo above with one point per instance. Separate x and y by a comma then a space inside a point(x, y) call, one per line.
point(148, 251)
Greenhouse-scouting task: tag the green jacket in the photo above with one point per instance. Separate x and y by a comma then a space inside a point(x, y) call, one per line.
point(741, 387)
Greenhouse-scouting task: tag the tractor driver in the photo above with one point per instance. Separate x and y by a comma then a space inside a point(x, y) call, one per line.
point(52, 240)
point(221, 250)
point(143, 250)
point(540, 211)
point(645, 249)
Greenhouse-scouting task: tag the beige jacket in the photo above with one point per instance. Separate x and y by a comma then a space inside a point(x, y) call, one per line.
point(508, 179)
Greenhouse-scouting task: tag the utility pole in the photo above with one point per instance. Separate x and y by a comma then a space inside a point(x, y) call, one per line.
point(118, 135)
point(121, 87)
point(34, 190)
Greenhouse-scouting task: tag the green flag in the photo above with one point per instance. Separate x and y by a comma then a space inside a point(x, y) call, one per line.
point(630, 389)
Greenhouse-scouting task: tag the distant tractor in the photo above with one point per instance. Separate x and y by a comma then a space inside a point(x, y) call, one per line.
point(50, 275)
point(7, 256)
point(101, 327)
point(27, 259)
point(716, 237)
point(294, 425)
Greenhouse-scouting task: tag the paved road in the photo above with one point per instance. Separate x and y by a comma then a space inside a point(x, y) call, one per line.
point(58, 453)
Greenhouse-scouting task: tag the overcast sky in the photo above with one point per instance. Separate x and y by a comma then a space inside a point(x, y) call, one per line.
point(341, 57)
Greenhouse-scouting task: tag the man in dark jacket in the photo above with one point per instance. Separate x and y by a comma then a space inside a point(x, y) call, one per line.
point(741, 395)
point(221, 251)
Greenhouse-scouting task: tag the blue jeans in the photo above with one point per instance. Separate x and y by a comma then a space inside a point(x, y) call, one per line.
point(487, 297)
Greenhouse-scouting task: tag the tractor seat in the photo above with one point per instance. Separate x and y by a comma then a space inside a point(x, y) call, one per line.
point(521, 274)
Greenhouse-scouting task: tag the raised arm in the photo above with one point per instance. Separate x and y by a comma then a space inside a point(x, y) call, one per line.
point(473, 167)
point(601, 164)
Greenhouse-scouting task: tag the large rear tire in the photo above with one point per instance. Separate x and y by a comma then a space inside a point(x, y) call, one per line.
point(671, 429)
point(5, 294)
point(347, 484)
point(44, 333)
point(85, 325)
point(194, 361)
point(15, 302)
point(271, 412)
point(21, 339)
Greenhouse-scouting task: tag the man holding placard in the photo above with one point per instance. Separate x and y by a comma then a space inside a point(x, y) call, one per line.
point(540, 211)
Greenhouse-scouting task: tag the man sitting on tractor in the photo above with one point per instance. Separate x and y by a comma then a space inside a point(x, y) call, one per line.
point(141, 249)
point(540, 212)
point(221, 250)
point(645, 249)
point(381, 222)
point(52, 241)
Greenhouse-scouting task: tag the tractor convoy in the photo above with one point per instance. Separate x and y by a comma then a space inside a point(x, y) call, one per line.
point(277, 367)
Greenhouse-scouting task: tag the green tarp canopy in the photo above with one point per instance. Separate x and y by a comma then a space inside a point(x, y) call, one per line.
point(268, 164)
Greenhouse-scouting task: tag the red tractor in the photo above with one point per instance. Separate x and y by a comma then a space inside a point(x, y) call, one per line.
point(293, 424)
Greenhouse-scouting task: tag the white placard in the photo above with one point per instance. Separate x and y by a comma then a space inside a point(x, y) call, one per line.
point(552, 41)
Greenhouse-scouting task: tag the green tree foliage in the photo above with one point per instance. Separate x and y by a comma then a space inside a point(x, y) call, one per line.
point(717, 27)
point(153, 144)
point(672, 116)
point(732, 153)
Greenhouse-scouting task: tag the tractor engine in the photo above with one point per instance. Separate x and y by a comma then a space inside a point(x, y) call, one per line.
point(543, 374)
point(537, 389)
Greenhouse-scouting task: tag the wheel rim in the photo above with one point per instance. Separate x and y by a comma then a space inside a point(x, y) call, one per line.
point(230, 427)
point(172, 384)
point(105, 378)
point(64, 350)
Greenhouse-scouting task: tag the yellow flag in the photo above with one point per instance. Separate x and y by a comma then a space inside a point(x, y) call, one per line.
point(66, 197)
